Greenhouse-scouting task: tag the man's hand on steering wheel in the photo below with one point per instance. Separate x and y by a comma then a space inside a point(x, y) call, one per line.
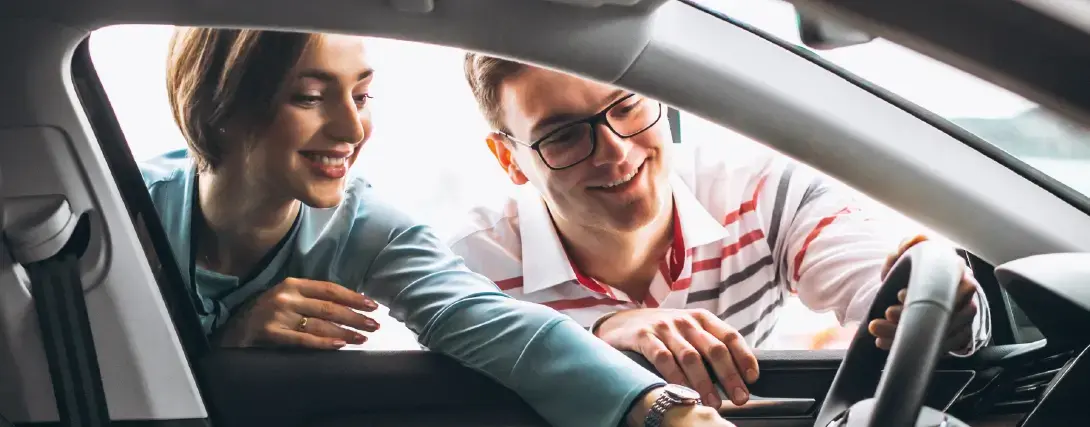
point(959, 334)
point(678, 342)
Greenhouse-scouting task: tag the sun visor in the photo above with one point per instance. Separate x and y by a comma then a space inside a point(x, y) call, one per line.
point(426, 6)
point(597, 3)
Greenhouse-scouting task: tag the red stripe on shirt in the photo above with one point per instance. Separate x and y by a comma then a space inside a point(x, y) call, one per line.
point(732, 249)
point(509, 284)
point(675, 257)
point(813, 235)
point(578, 303)
point(747, 206)
point(681, 284)
point(589, 282)
point(708, 264)
point(650, 301)
point(742, 242)
point(593, 285)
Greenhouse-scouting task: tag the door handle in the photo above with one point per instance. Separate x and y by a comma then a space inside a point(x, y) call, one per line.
point(768, 407)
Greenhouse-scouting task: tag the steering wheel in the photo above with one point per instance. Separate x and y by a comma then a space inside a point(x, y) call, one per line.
point(932, 277)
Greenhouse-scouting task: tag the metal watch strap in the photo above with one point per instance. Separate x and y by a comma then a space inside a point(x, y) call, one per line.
point(665, 401)
point(658, 410)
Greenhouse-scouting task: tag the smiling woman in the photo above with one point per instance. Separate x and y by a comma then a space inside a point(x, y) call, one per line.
point(271, 134)
point(426, 117)
point(293, 122)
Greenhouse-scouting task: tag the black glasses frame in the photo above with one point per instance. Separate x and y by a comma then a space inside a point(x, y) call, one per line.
point(600, 117)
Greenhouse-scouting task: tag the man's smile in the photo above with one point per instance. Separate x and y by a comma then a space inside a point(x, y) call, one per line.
point(624, 184)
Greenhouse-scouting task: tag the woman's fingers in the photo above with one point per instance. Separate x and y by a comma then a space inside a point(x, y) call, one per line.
point(292, 338)
point(332, 292)
point(304, 313)
point(327, 329)
point(335, 313)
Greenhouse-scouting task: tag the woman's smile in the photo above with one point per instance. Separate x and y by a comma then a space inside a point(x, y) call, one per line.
point(328, 164)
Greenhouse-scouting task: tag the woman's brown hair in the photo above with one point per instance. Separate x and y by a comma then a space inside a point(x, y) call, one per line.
point(219, 79)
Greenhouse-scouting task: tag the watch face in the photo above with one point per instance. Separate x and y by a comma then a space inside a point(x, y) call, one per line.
point(681, 392)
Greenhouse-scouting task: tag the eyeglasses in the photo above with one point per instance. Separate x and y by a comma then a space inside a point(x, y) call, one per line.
point(574, 142)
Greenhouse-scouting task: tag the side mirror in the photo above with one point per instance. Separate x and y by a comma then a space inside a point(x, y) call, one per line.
point(823, 34)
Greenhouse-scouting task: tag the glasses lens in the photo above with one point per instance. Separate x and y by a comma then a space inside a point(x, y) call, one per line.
point(567, 146)
point(633, 115)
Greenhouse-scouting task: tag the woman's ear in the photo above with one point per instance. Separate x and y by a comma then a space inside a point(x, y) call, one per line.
point(502, 151)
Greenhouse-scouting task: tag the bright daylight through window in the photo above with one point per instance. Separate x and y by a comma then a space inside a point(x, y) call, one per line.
point(427, 153)
point(1039, 138)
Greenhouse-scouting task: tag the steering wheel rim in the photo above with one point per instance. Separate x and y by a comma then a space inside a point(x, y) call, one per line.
point(932, 276)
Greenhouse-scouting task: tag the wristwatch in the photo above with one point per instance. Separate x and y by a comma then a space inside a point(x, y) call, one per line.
point(672, 395)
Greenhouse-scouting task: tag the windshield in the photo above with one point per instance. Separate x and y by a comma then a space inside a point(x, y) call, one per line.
point(1012, 123)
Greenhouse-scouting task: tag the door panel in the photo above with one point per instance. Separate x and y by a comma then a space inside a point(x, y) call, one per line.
point(467, 418)
point(317, 388)
point(246, 387)
point(795, 377)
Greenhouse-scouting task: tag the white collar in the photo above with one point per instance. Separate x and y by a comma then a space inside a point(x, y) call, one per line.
point(545, 263)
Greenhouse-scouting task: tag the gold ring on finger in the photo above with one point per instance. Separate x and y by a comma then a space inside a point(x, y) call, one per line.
point(302, 324)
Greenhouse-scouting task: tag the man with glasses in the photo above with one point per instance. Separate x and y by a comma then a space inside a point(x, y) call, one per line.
point(681, 253)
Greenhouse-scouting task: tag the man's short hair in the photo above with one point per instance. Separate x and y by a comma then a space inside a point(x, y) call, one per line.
point(485, 74)
point(219, 78)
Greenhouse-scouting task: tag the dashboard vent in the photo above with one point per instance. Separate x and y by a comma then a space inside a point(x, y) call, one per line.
point(1022, 386)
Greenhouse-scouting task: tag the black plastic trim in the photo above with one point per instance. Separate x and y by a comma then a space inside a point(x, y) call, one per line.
point(1067, 194)
point(145, 219)
point(184, 422)
point(1063, 401)
point(304, 386)
point(674, 117)
point(130, 183)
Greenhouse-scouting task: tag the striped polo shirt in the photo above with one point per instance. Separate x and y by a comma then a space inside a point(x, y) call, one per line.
point(750, 232)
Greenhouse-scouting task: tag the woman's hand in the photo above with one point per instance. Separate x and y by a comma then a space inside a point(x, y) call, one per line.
point(301, 313)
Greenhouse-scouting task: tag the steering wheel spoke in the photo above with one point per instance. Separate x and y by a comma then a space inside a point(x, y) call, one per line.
point(874, 388)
